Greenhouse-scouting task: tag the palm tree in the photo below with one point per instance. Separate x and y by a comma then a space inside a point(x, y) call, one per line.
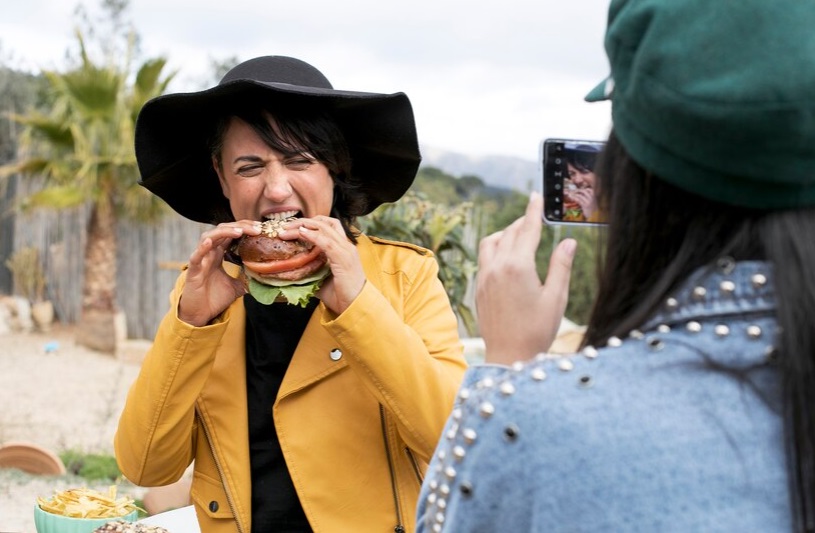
point(82, 150)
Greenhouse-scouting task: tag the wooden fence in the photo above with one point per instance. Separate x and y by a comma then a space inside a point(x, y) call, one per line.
point(148, 258)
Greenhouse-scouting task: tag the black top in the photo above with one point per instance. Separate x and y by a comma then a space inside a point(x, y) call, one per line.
point(272, 334)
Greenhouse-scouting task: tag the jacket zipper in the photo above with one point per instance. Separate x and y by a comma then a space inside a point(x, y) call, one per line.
point(415, 464)
point(220, 472)
point(399, 528)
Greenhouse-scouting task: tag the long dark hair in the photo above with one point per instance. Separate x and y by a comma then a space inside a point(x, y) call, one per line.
point(658, 234)
point(302, 130)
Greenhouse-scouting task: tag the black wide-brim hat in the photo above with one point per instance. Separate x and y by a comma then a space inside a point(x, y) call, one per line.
point(172, 135)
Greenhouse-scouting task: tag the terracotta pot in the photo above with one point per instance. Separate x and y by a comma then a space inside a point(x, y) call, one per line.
point(43, 314)
point(31, 458)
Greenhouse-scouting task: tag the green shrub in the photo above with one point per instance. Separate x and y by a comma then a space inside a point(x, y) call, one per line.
point(91, 466)
point(439, 228)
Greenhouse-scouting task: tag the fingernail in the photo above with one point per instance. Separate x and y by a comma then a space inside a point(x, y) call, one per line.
point(569, 246)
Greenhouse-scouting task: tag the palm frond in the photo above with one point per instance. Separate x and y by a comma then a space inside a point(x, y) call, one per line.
point(148, 76)
point(142, 206)
point(55, 132)
point(149, 84)
point(55, 197)
point(27, 166)
point(93, 91)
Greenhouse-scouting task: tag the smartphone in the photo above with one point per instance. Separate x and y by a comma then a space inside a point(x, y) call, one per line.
point(567, 167)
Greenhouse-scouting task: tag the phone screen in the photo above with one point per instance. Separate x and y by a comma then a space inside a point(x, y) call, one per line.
point(569, 181)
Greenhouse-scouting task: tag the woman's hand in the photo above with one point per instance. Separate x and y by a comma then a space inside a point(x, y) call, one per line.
point(347, 278)
point(209, 290)
point(518, 316)
point(587, 201)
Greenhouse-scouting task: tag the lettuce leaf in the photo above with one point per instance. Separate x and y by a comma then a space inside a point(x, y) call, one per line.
point(293, 294)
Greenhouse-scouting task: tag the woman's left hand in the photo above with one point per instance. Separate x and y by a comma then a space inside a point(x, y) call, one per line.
point(347, 278)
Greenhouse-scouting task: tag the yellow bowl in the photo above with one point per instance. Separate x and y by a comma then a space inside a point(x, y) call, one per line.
point(54, 523)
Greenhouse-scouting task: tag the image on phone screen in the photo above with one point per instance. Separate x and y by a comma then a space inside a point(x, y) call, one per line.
point(569, 181)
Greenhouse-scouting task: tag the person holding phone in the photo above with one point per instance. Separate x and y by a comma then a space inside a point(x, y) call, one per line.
point(691, 405)
point(315, 415)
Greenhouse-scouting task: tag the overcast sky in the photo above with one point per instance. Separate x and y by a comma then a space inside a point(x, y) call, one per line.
point(483, 79)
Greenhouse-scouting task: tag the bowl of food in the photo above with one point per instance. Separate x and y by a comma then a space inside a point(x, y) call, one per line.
point(82, 510)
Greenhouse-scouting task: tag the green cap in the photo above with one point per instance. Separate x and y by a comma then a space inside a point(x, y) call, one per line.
point(717, 97)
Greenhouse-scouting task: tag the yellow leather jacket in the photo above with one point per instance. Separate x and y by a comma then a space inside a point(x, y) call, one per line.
point(358, 415)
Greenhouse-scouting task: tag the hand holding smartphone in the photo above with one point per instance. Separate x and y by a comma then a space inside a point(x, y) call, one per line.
point(569, 182)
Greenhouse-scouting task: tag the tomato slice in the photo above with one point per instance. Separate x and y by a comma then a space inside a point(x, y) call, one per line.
point(273, 267)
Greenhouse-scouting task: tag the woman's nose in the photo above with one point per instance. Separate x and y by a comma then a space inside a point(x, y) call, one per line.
point(277, 186)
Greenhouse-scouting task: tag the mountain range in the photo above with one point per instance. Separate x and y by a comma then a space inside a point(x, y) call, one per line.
point(499, 171)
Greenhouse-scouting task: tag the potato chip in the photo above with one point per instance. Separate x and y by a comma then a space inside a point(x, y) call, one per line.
point(88, 503)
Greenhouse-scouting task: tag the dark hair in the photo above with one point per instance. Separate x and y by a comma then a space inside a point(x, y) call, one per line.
point(582, 157)
point(302, 130)
point(658, 234)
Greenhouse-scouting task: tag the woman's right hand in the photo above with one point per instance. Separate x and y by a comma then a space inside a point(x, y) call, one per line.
point(209, 289)
point(519, 316)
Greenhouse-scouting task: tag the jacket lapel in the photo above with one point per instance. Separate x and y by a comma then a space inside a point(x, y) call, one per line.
point(313, 358)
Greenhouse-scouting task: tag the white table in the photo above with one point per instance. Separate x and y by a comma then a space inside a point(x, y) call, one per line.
point(181, 520)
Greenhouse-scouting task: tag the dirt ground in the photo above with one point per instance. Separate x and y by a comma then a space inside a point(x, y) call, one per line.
point(60, 396)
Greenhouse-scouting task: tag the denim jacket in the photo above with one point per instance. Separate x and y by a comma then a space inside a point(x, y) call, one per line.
point(675, 428)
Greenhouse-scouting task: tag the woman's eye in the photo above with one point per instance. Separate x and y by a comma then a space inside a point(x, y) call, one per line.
point(249, 170)
point(299, 163)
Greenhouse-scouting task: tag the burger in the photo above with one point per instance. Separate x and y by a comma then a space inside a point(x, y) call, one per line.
point(280, 270)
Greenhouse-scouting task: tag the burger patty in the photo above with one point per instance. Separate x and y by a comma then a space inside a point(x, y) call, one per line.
point(264, 248)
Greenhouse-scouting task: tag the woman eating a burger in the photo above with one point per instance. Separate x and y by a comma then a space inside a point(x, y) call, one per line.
point(304, 368)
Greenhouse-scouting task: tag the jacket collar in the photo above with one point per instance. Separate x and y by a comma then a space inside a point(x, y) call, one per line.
point(727, 288)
